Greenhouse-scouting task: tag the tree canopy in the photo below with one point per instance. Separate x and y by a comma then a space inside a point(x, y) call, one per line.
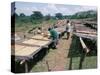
point(59, 15)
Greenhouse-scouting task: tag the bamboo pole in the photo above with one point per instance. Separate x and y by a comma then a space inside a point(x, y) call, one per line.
point(23, 61)
point(48, 66)
point(84, 45)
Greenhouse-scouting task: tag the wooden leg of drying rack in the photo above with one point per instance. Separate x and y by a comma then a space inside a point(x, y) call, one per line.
point(26, 66)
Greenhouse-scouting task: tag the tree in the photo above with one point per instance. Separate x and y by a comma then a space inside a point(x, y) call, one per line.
point(59, 15)
point(22, 15)
point(67, 16)
point(48, 17)
point(37, 15)
point(84, 14)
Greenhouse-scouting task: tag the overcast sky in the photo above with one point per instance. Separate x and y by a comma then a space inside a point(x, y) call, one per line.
point(45, 8)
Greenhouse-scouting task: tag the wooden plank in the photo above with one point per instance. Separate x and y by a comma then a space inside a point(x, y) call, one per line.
point(81, 27)
point(16, 48)
point(86, 32)
point(40, 37)
point(27, 45)
point(91, 22)
point(89, 36)
point(27, 51)
point(60, 29)
point(30, 41)
point(36, 42)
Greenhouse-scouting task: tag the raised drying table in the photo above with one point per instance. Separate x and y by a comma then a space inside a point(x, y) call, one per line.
point(60, 30)
point(85, 32)
point(27, 49)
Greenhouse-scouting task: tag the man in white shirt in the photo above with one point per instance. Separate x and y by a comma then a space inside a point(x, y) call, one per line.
point(68, 29)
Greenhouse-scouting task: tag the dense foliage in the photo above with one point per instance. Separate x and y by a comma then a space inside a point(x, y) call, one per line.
point(37, 17)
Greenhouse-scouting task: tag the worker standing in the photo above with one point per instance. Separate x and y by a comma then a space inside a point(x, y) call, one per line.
point(68, 29)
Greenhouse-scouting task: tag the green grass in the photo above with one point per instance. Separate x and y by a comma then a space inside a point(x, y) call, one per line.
point(39, 67)
point(88, 63)
point(73, 60)
point(51, 21)
point(76, 53)
point(23, 27)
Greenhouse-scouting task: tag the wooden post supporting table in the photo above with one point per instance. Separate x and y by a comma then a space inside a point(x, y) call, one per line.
point(26, 66)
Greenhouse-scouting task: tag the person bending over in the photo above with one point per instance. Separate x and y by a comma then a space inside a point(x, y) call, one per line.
point(54, 36)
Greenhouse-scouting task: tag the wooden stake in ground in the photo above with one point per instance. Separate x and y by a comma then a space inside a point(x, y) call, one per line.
point(26, 67)
point(48, 66)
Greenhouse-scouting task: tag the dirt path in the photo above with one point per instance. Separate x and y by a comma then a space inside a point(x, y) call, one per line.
point(58, 58)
